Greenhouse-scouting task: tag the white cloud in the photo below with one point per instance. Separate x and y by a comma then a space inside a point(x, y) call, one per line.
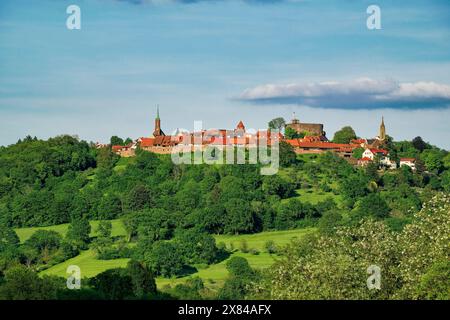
point(362, 93)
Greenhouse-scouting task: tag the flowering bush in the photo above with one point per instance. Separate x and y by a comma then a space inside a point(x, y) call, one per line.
point(335, 267)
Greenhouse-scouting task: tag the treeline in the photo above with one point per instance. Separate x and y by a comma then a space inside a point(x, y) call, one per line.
point(334, 263)
point(171, 211)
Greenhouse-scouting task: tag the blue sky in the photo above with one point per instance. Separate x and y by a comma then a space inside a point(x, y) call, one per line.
point(221, 62)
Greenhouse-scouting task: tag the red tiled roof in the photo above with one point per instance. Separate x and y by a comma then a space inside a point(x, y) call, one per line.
point(116, 148)
point(365, 159)
point(358, 141)
point(318, 144)
point(408, 159)
point(240, 125)
point(379, 151)
point(147, 142)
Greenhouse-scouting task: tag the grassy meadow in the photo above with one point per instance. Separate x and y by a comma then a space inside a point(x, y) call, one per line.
point(213, 275)
point(117, 229)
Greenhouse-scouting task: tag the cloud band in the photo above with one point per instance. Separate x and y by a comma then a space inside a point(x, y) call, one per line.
point(363, 93)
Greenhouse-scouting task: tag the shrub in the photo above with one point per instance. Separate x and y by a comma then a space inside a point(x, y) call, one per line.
point(244, 246)
point(270, 247)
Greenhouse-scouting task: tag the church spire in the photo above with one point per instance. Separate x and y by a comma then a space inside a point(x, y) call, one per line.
point(158, 132)
point(382, 135)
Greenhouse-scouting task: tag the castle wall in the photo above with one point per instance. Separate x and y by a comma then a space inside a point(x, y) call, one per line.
point(314, 128)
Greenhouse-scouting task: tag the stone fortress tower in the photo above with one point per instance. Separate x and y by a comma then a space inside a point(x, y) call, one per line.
point(315, 129)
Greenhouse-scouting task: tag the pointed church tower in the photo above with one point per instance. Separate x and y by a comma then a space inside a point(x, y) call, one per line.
point(382, 134)
point(158, 132)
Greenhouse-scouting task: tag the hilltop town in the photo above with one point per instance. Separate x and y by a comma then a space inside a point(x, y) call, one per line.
point(308, 138)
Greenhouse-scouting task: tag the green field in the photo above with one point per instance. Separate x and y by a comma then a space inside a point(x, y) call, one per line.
point(117, 229)
point(315, 196)
point(88, 264)
point(213, 275)
point(257, 240)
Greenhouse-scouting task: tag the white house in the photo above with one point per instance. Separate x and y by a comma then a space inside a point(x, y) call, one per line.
point(371, 153)
point(388, 163)
point(410, 162)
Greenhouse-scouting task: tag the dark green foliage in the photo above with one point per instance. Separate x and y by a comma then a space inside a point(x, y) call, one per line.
point(239, 217)
point(190, 290)
point(164, 258)
point(373, 205)
point(238, 283)
point(275, 185)
point(352, 188)
point(78, 233)
point(110, 207)
point(345, 135)
point(9, 248)
point(116, 141)
point(44, 240)
point(277, 123)
point(287, 154)
point(104, 229)
point(419, 144)
point(150, 224)
point(21, 283)
point(290, 133)
point(357, 153)
point(329, 222)
point(135, 281)
point(113, 284)
point(138, 198)
point(435, 284)
point(142, 279)
point(39, 179)
point(197, 246)
point(397, 223)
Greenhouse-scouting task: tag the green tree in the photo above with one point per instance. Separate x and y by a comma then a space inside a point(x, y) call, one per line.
point(113, 284)
point(78, 233)
point(21, 283)
point(197, 246)
point(116, 141)
point(138, 198)
point(104, 229)
point(433, 159)
point(352, 188)
point(329, 222)
point(44, 241)
point(237, 285)
point(372, 205)
point(277, 124)
point(290, 133)
point(357, 153)
point(110, 207)
point(419, 144)
point(239, 217)
point(142, 279)
point(345, 135)
point(164, 259)
point(434, 284)
point(287, 154)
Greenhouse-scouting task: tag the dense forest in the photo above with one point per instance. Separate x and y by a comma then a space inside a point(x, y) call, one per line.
point(171, 212)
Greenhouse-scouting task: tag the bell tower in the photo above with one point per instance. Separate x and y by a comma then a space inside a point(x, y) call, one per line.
point(158, 132)
point(382, 134)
